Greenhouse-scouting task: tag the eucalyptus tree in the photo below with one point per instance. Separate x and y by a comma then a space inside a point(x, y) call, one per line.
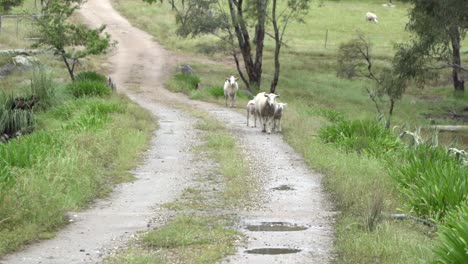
point(68, 40)
point(242, 24)
point(7, 5)
point(438, 28)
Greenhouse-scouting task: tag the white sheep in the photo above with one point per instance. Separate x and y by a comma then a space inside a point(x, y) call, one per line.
point(230, 90)
point(371, 17)
point(265, 108)
point(251, 111)
point(279, 108)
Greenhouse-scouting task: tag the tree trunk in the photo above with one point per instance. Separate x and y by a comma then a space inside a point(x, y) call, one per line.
point(260, 37)
point(254, 70)
point(274, 82)
point(69, 68)
point(458, 82)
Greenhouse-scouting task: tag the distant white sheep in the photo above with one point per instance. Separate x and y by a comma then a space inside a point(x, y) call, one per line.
point(230, 90)
point(265, 108)
point(371, 17)
point(279, 108)
point(251, 112)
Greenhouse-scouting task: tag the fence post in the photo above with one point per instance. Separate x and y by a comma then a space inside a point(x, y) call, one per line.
point(326, 38)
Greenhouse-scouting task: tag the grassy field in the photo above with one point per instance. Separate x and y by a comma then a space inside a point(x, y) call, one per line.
point(360, 184)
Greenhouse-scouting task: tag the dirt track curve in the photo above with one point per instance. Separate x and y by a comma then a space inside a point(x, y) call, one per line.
point(169, 167)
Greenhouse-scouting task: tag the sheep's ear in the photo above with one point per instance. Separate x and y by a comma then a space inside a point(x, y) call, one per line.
point(236, 78)
point(227, 78)
point(277, 95)
point(266, 95)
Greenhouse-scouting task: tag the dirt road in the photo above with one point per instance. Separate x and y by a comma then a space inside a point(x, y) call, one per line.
point(294, 205)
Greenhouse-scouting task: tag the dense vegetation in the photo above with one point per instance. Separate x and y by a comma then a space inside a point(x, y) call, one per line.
point(370, 171)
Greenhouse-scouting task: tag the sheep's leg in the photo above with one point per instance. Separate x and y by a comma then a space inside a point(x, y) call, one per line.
point(255, 119)
point(248, 116)
point(269, 125)
point(226, 97)
point(279, 125)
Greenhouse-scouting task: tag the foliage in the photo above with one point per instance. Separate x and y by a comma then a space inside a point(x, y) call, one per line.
point(69, 40)
point(453, 237)
point(88, 88)
point(13, 121)
point(43, 89)
point(7, 5)
point(91, 76)
point(438, 28)
point(362, 136)
point(432, 181)
point(355, 60)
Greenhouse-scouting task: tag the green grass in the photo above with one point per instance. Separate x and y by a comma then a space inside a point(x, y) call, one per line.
point(193, 239)
point(453, 244)
point(67, 162)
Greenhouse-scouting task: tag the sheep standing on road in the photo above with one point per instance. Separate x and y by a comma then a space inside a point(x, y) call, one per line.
point(230, 90)
point(371, 17)
point(265, 108)
point(251, 112)
point(279, 107)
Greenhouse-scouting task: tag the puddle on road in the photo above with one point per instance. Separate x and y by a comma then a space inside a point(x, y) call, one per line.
point(284, 188)
point(275, 227)
point(273, 251)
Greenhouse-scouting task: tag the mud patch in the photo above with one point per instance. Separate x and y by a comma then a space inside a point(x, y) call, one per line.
point(273, 251)
point(283, 188)
point(275, 227)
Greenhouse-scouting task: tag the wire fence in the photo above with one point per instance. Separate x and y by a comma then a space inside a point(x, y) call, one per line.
point(19, 26)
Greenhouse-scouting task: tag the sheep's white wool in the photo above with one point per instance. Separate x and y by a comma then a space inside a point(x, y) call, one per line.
point(265, 108)
point(251, 112)
point(371, 17)
point(279, 108)
point(230, 90)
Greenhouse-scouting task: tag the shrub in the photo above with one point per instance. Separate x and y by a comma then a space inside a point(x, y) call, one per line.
point(432, 181)
point(42, 88)
point(362, 136)
point(186, 81)
point(91, 76)
point(88, 88)
point(453, 247)
point(216, 91)
point(13, 120)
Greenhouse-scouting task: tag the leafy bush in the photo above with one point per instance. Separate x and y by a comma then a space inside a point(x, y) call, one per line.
point(453, 237)
point(362, 136)
point(88, 88)
point(432, 181)
point(91, 76)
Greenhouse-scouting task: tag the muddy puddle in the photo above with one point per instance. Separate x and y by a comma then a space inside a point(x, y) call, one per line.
point(283, 188)
point(275, 227)
point(273, 251)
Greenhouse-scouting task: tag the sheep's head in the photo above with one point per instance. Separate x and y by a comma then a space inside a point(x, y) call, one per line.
point(271, 99)
point(231, 80)
point(281, 106)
